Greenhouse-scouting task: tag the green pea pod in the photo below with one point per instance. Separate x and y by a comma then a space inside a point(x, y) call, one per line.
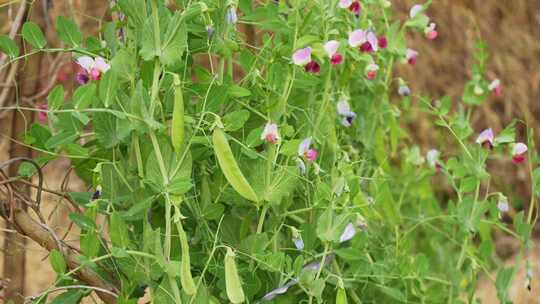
point(235, 293)
point(177, 127)
point(341, 296)
point(230, 167)
point(185, 272)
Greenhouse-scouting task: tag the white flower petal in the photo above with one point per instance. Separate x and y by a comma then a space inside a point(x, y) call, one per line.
point(331, 47)
point(357, 37)
point(485, 136)
point(433, 157)
point(101, 65)
point(86, 62)
point(304, 146)
point(415, 10)
point(345, 3)
point(494, 84)
point(348, 233)
point(343, 107)
point(519, 148)
point(302, 56)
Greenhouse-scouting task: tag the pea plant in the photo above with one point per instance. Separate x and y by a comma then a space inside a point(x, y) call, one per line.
point(277, 168)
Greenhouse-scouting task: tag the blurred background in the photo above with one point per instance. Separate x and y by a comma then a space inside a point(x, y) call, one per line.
point(510, 28)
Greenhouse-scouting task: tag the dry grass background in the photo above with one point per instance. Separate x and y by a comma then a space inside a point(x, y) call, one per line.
point(510, 27)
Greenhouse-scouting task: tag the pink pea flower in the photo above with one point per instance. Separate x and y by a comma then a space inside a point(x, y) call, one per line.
point(344, 110)
point(331, 48)
point(485, 138)
point(345, 3)
point(412, 56)
point(270, 133)
point(302, 56)
point(430, 31)
point(312, 67)
point(417, 8)
point(305, 151)
point(357, 38)
point(92, 68)
point(496, 87)
point(371, 71)
point(518, 153)
point(355, 8)
point(382, 42)
point(432, 157)
point(42, 113)
point(371, 44)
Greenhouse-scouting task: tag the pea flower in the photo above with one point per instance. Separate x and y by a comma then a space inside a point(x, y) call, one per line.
point(42, 113)
point(496, 87)
point(432, 157)
point(417, 8)
point(270, 133)
point(344, 110)
point(231, 16)
point(404, 90)
point(302, 56)
point(382, 42)
point(297, 239)
point(312, 67)
point(351, 229)
point(430, 31)
point(485, 138)
point(357, 38)
point(353, 6)
point(331, 48)
point(280, 290)
point(371, 44)
point(503, 205)
point(97, 193)
point(305, 151)
point(371, 71)
point(92, 68)
point(411, 56)
point(210, 31)
point(518, 153)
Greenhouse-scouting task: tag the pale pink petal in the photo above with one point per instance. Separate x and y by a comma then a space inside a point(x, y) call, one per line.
point(433, 157)
point(86, 62)
point(302, 56)
point(304, 146)
point(348, 233)
point(331, 47)
point(372, 67)
point(101, 65)
point(519, 148)
point(372, 39)
point(270, 133)
point(345, 3)
point(485, 136)
point(410, 54)
point(415, 10)
point(357, 37)
point(494, 84)
point(503, 205)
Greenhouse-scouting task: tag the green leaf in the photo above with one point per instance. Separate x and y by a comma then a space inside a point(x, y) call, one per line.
point(235, 120)
point(57, 261)
point(123, 65)
point(8, 46)
point(33, 35)
point(392, 292)
point(175, 41)
point(82, 221)
point(118, 231)
point(56, 97)
point(238, 91)
point(107, 88)
point(72, 296)
point(105, 126)
point(68, 31)
point(83, 96)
